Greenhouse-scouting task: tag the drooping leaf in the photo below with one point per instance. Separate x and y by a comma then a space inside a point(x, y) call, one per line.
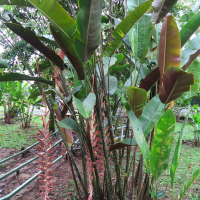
point(88, 24)
point(57, 15)
point(161, 8)
point(118, 68)
point(124, 143)
point(69, 123)
point(85, 107)
point(15, 2)
point(139, 136)
point(175, 82)
point(191, 52)
point(4, 63)
point(140, 36)
point(162, 143)
point(126, 37)
point(123, 28)
point(68, 48)
point(30, 37)
point(189, 28)
point(175, 158)
point(151, 114)
point(148, 82)
point(18, 77)
point(189, 183)
point(195, 69)
point(170, 46)
point(136, 96)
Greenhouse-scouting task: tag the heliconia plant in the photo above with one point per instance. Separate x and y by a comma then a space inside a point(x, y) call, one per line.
point(159, 70)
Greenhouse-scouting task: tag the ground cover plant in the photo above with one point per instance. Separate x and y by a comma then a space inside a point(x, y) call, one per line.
point(140, 66)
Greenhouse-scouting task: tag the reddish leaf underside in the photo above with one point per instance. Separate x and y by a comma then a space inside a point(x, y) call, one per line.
point(175, 82)
point(169, 47)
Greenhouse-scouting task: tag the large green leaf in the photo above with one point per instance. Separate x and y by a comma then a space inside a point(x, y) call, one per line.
point(15, 2)
point(189, 28)
point(187, 17)
point(19, 77)
point(118, 68)
point(136, 96)
point(69, 123)
point(175, 82)
point(126, 37)
point(191, 52)
point(30, 37)
point(123, 28)
point(140, 36)
point(140, 33)
point(189, 183)
point(68, 48)
point(85, 108)
point(88, 24)
point(161, 8)
point(139, 136)
point(162, 143)
point(170, 46)
point(112, 85)
point(195, 69)
point(151, 114)
point(57, 15)
point(175, 158)
point(49, 40)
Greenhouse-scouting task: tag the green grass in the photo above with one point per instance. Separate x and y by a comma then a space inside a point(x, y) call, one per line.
point(13, 136)
point(189, 161)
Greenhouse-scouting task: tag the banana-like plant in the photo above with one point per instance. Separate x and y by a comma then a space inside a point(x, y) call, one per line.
point(83, 43)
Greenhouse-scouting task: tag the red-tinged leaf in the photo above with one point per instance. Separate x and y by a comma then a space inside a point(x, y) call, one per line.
point(50, 189)
point(41, 156)
point(42, 181)
point(99, 162)
point(42, 169)
point(50, 158)
point(42, 142)
point(49, 165)
point(108, 141)
point(49, 151)
point(43, 135)
point(41, 148)
point(50, 184)
point(175, 82)
point(161, 8)
point(50, 142)
point(99, 167)
point(41, 162)
point(49, 178)
point(68, 48)
point(30, 37)
point(42, 175)
point(148, 82)
point(169, 47)
point(42, 187)
point(49, 172)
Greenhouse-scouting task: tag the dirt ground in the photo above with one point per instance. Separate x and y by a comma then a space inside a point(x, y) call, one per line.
point(62, 175)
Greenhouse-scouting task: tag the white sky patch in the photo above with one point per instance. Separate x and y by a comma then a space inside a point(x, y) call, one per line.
point(1, 49)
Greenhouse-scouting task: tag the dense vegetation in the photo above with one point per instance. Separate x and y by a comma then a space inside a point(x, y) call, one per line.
point(114, 65)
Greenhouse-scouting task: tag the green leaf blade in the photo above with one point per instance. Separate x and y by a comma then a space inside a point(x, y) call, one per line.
point(162, 143)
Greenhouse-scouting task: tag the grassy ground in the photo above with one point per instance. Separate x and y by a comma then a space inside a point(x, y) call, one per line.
point(189, 162)
point(13, 136)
